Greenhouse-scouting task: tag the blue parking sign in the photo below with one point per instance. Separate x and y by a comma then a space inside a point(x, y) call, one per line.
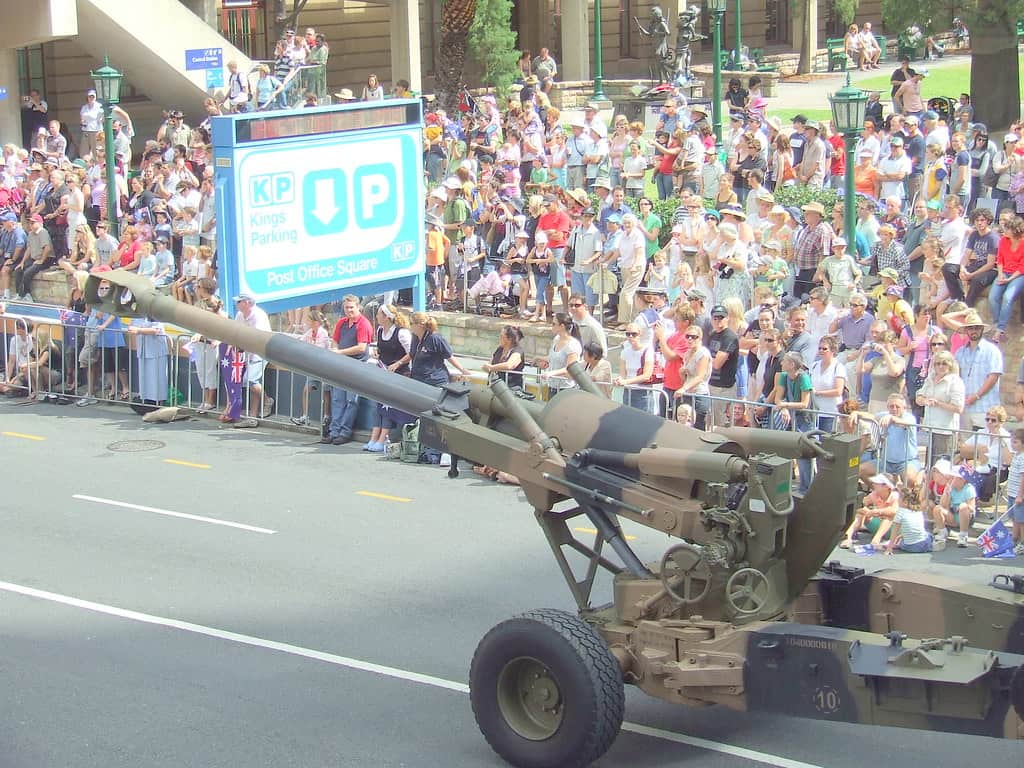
point(314, 203)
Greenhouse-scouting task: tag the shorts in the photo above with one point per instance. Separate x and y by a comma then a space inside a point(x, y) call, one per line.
point(899, 467)
point(580, 287)
point(435, 277)
point(254, 371)
point(90, 354)
point(1016, 513)
point(557, 275)
point(925, 545)
point(114, 359)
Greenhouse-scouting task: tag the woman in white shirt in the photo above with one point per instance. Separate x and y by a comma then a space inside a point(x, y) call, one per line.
point(696, 373)
point(942, 396)
point(990, 450)
point(828, 380)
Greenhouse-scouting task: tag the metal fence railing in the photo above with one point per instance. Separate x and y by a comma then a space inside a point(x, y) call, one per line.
point(68, 360)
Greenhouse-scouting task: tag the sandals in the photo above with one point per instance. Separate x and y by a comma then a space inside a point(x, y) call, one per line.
point(845, 544)
point(125, 396)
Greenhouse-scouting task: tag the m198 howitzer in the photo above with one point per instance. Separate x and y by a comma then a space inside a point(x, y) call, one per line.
point(733, 613)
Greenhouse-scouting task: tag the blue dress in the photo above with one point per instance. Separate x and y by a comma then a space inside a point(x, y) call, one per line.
point(152, 353)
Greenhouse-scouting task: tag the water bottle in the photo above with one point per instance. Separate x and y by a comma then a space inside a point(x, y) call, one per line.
point(387, 444)
point(864, 549)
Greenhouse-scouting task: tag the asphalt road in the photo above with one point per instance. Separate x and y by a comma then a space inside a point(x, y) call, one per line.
point(250, 598)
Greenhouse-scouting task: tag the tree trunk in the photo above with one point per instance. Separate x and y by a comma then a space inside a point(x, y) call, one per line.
point(995, 73)
point(456, 19)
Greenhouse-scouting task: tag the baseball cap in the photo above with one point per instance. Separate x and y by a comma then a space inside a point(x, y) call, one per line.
point(588, 211)
point(896, 141)
point(799, 119)
point(934, 205)
point(911, 120)
point(8, 217)
point(880, 480)
point(719, 311)
point(697, 293)
point(838, 241)
point(523, 234)
point(942, 466)
point(893, 290)
point(540, 237)
point(90, 92)
point(931, 114)
point(244, 297)
point(36, 217)
point(1011, 137)
point(614, 219)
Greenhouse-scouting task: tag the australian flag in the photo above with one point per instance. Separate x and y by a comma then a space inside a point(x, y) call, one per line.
point(996, 541)
point(232, 374)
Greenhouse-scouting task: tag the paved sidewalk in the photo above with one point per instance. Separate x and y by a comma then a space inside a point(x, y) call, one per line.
point(814, 94)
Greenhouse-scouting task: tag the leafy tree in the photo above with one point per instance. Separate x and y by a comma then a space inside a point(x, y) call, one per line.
point(995, 70)
point(456, 19)
point(846, 10)
point(492, 44)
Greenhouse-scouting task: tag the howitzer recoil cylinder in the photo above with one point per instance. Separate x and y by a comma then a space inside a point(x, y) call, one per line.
point(671, 462)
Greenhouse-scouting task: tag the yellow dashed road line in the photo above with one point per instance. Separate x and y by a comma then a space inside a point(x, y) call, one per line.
point(384, 496)
point(22, 436)
point(186, 464)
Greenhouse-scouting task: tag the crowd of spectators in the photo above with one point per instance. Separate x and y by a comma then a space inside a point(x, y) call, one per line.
point(735, 309)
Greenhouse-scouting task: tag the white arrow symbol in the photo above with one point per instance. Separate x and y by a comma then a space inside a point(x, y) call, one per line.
point(324, 208)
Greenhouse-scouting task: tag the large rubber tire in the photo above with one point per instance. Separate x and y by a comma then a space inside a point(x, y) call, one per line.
point(576, 659)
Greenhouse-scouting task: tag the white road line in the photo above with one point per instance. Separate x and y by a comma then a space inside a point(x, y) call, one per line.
point(377, 669)
point(169, 513)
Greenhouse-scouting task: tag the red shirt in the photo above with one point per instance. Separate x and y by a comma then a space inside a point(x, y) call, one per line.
point(1008, 258)
point(348, 334)
point(838, 167)
point(128, 257)
point(678, 343)
point(557, 225)
point(666, 161)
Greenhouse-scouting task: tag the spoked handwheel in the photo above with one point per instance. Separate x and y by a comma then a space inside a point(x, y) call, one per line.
point(546, 691)
point(685, 574)
point(747, 591)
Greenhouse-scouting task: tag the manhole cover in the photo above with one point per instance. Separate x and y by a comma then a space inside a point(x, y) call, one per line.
point(133, 446)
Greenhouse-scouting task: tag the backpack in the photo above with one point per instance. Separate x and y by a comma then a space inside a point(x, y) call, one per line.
point(410, 451)
point(657, 372)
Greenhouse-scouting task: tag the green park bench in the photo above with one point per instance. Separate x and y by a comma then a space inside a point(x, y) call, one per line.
point(836, 52)
point(1020, 27)
point(757, 56)
point(882, 42)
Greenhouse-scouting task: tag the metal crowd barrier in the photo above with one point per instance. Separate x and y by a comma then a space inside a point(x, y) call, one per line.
point(66, 377)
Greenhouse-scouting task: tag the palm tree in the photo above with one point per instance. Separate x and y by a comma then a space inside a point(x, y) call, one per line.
point(456, 19)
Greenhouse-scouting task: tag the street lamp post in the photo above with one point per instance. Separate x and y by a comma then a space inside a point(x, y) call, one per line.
point(848, 107)
point(717, 8)
point(598, 59)
point(108, 89)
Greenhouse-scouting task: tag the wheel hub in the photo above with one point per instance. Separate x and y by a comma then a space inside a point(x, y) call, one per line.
point(529, 699)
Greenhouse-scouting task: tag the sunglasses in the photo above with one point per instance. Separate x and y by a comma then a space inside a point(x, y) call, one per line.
point(937, 344)
point(575, 305)
point(991, 419)
point(692, 336)
point(631, 334)
point(824, 349)
point(858, 305)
